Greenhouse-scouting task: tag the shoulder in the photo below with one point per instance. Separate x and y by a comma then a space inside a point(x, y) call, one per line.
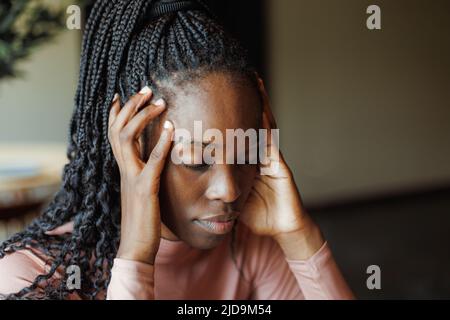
point(19, 269)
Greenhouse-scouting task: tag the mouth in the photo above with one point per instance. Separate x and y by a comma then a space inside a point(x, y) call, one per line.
point(218, 224)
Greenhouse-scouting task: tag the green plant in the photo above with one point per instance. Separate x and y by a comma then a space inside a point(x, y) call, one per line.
point(24, 25)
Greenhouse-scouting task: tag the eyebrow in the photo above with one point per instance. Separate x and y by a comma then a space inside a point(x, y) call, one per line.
point(203, 143)
point(207, 143)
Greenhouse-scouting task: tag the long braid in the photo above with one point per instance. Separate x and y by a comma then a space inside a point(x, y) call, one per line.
point(122, 47)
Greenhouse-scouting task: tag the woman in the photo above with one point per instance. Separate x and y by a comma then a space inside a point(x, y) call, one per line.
point(136, 224)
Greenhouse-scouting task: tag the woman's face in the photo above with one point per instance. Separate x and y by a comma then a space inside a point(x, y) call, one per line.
point(191, 193)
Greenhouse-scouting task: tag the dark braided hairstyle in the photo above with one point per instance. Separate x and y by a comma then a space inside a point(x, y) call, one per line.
point(124, 47)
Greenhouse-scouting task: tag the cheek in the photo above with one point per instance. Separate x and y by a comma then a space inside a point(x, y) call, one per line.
point(248, 174)
point(181, 191)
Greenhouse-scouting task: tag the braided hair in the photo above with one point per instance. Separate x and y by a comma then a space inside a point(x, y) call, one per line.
point(124, 47)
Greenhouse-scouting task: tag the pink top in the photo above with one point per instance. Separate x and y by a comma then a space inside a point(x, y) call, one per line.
point(183, 272)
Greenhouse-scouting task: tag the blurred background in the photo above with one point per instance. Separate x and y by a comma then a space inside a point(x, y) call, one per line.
point(364, 117)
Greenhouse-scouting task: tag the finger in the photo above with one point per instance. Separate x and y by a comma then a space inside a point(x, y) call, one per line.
point(114, 111)
point(267, 126)
point(265, 122)
point(135, 127)
point(156, 161)
point(65, 228)
point(272, 151)
point(131, 107)
point(266, 144)
point(137, 124)
point(266, 104)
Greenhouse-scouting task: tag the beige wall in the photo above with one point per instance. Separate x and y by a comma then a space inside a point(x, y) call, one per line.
point(361, 111)
point(38, 107)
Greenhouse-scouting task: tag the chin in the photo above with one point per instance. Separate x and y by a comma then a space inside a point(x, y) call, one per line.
point(196, 237)
point(211, 243)
point(203, 240)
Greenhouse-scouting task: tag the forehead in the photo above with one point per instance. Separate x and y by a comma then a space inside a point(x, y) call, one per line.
point(218, 102)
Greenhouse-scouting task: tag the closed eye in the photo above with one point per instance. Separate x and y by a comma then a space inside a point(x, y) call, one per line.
point(198, 167)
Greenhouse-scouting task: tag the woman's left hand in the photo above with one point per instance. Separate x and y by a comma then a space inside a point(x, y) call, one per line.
point(274, 207)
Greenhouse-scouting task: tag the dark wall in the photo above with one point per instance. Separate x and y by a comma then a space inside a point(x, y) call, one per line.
point(246, 20)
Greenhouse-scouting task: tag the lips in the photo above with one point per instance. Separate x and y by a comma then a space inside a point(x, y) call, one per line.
point(225, 217)
point(218, 224)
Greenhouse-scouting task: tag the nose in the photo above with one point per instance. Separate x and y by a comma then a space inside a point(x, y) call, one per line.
point(224, 184)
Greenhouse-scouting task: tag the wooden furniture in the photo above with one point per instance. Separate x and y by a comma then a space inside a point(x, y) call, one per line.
point(30, 174)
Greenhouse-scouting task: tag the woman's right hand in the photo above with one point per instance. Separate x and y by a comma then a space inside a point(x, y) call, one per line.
point(139, 181)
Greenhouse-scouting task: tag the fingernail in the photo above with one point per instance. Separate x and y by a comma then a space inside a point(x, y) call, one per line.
point(145, 90)
point(160, 102)
point(168, 125)
point(116, 96)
